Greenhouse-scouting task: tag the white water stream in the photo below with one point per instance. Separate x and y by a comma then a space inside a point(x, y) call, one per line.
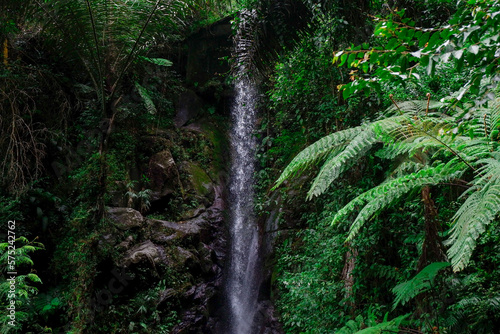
point(243, 277)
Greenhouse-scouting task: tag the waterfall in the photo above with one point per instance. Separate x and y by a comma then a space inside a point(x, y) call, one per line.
point(243, 278)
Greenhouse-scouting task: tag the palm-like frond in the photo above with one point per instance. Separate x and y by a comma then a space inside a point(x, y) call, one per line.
point(106, 36)
point(381, 196)
point(317, 151)
point(435, 148)
point(479, 209)
point(342, 149)
point(146, 98)
point(337, 163)
point(414, 106)
point(420, 283)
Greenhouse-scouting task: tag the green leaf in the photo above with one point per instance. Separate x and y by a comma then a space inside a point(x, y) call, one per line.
point(159, 61)
point(423, 39)
point(393, 43)
point(422, 282)
point(351, 59)
point(404, 64)
point(433, 41)
point(148, 102)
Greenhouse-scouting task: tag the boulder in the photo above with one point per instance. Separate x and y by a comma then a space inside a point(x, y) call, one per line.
point(164, 231)
point(125, 218)
point(125, 244)
point(154, 144)
point(163, 174)
point(184, 258)
point(199, 183)
point(188, 107)
point(195, 212)
point(145, 252)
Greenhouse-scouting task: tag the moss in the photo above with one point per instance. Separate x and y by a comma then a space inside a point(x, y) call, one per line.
point(201, 182)
point(215, 132)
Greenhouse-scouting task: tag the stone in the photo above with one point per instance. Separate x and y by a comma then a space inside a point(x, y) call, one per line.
point(154, 144)
point(125, 218)
point(192, 213)
point(199, 181)
point(188, 107)
point(164, 231)
point(144, 252)
point(163, 174)
point(184, 258)
point(125, 244)
point(165, 295)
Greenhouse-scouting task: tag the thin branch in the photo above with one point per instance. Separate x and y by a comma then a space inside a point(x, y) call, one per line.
point(428, 101)
point(454, 184)
point(99, 58)
point(392, 99)
point(130, 55)
point(450, 149)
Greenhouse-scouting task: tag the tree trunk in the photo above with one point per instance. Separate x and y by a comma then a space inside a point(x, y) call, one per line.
point(432, 249)
point(347, 276)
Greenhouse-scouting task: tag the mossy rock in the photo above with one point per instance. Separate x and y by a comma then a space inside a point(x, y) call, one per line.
point(199, 180)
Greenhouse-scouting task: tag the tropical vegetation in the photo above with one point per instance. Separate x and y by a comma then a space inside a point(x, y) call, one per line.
point(379, 128)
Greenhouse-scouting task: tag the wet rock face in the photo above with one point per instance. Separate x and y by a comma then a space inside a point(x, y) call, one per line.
point(179, 237)
point(162, 172)
point(194, 248)
point(188, 107)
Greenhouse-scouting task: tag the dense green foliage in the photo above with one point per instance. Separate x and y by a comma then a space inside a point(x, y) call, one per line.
point(83, 86)
point(378, 134)
point(395, 177)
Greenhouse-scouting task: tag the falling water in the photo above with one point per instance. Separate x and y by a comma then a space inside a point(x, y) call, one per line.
point(243, 278)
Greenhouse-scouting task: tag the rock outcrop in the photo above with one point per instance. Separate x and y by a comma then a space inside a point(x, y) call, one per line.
point(194, 249)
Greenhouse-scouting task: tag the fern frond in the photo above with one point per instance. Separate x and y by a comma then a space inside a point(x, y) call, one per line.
point(352, 326)
point(158, 61)
point(408, 167)
point(414, 106)
point(146, 98)
point(420, 283)
point(317, 151)
point(384, 194)
point(338, 163)
point(384, 327)
point(485, 120)
point(384, 271)
point(478, 210)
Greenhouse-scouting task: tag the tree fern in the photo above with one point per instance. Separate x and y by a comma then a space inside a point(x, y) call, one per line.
point(356, 326)
point(317, 151)
point(342, 149)
point(385, 326)
point(158, 61)
point(379, 197)
point(479, 209)
point(107, 36)
point(338, 163)
point(433, 148)
point(421, 282)
point(414, 106)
